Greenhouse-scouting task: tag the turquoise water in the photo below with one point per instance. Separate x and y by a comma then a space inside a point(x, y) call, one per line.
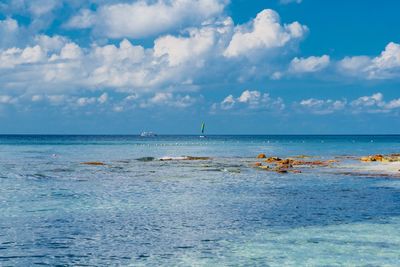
point(56, 211)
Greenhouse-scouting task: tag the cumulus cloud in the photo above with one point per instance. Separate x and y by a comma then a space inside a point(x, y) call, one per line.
point(15, 56)
point(146, 18)
point(321, 107)
point(7, 99)
point(384, 66)
point(374, 103)
point(252, 100)
point(262, 34)
point(310, 64)
point(84, 101)
point(9, 32)
point(178, 62)
point(167, 99)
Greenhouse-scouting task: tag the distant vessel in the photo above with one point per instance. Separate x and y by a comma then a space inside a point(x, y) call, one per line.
point(148, 134)
point(203, 125)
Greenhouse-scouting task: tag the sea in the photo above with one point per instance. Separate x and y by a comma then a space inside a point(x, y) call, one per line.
point(139, 211)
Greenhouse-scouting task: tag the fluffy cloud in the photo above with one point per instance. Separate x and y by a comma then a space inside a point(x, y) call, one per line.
point(84, 101)
point(6, 99)
point(35, 8)
point(310, 64)
point(176, 62)
point(264, 33)
point(146, 18)
point(384, 66)
point(252, 100)
point(201, 41)
point(374, 103)
point(15, 56)
point(167, 99)
point(9, 32)
point(321, 107)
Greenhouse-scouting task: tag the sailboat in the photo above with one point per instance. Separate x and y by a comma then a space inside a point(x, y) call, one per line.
point(203, 125)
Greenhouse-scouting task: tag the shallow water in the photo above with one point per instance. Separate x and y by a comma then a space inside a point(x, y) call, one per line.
point(55, 210)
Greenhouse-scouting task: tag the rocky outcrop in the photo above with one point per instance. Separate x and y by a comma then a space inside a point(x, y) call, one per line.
point(94, 163)
point(381, 158)
point(285, 165)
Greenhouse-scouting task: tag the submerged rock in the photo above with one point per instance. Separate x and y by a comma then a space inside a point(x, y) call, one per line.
point(183, 158)
point(95, 163)
point(197, 158)
point(273, 159)
point(145, 159)
point(286, 165)
point(265, 167)
point(381, 158)
point(281, 170)
point(301, 157)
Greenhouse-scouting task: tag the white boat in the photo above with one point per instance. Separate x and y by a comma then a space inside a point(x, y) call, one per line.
point(148, 134)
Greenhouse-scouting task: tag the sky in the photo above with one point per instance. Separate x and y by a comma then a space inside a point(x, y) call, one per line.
point(241, 66)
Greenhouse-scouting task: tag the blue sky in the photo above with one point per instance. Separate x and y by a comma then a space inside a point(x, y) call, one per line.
point(243, 67)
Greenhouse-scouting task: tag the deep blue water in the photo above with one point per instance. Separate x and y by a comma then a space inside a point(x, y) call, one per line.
point(56, 211)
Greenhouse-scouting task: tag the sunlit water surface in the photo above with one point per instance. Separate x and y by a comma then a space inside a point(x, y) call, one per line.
point(56, 211)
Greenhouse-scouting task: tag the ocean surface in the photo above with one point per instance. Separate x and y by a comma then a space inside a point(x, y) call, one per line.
point(220, 212)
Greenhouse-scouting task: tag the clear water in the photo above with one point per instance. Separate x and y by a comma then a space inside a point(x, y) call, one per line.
point(56, 211)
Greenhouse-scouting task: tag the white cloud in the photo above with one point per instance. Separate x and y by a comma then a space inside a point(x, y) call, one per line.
point(321, 107)
point(48, 43)
point(374, 103)
point(264, 33)
point(103, 98)
point(146, 18)
point(177, 63)
point(167, 99)
point(85, 19)
point(384, 66)
point(228, 102)
point(67, 101)
point(8, 26)
point(308, 65)
point(118, 109)
point(182, 49)
point(56, 99)
point(6, 99)
point(36, 98)
point(253, 100)
point(84, 101)
point(42, 7)
point(15, 56)
point(9, 32)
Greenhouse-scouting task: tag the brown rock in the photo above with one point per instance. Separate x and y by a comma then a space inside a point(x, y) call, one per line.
point(265, 167)
point(261, 156)
point(377, 158)
point(95, 163)
point(272, 159)
point(197, 158)
point(257, 164)
point(281, 170)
